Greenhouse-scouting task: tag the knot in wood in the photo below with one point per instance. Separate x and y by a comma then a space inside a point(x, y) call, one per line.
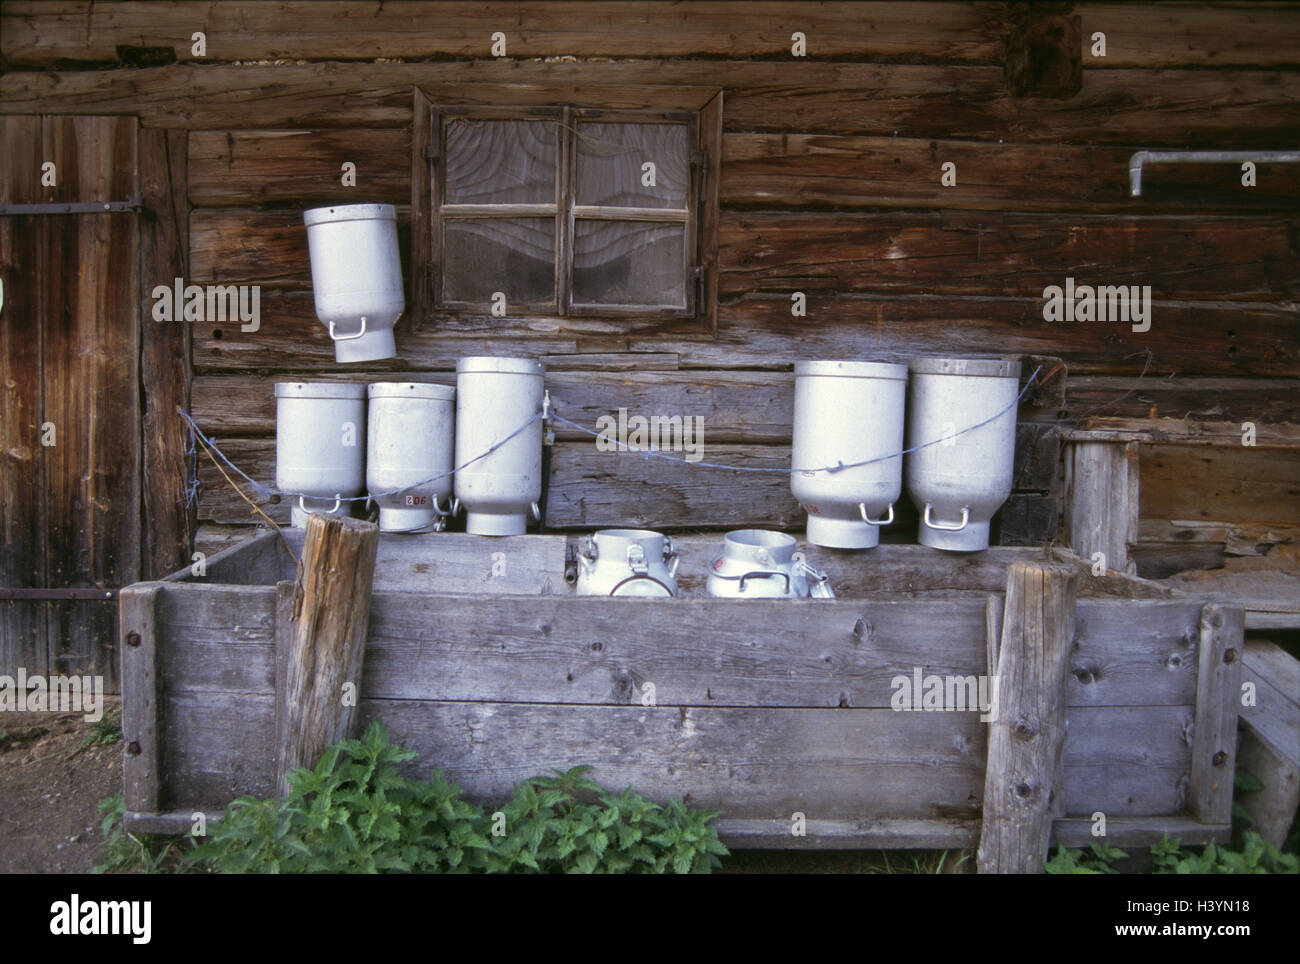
point(1024, 730)
point(1219, 759)
point(1230, 655)
point(1023, 790)
point(133, 639)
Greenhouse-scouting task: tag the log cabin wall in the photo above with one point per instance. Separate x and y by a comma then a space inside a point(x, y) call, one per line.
point(829, 185)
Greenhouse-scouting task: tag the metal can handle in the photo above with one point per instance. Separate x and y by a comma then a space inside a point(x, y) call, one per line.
point(338, 501)
point(862, 507)
point(965, 518)
point(348, 337)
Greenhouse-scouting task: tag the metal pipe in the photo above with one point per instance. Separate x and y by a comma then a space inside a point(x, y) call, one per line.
point(1200, 157)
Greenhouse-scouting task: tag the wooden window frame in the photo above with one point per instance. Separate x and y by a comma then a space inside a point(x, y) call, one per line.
point(699, 109)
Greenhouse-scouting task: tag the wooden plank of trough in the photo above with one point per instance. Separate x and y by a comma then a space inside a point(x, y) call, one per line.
point(1218, 694)
point(142, 693)
point(759, 762)
point(1024, 786)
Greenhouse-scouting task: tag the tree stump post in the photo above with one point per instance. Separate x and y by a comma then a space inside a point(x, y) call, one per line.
point(1023, 789)
point(322, 675)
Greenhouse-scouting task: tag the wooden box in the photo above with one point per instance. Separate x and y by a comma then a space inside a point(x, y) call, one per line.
point(482, 659)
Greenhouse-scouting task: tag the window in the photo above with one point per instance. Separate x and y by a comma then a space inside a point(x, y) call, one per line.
point(563, 212)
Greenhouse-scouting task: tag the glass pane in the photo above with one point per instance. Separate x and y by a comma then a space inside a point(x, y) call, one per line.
point(515, 256)
point(629, 263)
point(611, 159)
point(500, 162)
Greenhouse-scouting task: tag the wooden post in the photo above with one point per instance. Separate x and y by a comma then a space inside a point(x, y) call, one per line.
point(1218, 695)
point(1101, 513)
point(1022, 784)
point(331, 619)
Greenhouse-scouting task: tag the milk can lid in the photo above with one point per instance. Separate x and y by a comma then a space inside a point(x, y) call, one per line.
point(411, 390)
point(319, 390)
point(500, 364)
point(349, 212)
point(851, 369)
point(994, 367)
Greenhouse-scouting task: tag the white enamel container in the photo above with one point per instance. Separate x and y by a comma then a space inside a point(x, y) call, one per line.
point(759, 564)
point(958, 483)
point(847, 412)
point(494, 397)
point(356, 277)
point(627, 562)
point(410, 440)
point(320, 445)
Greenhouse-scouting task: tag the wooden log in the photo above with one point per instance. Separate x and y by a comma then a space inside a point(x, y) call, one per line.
point(757, 332)
point(323, 672)
point(1023, 787)
point(39, 35)
point(1253, 109)
point(786, 170)
point(1101, 502)
point(167, 529)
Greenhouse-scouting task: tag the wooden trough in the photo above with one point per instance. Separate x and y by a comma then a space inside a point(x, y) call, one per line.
point(482, 659)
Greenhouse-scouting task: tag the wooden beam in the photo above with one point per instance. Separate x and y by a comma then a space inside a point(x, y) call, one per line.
point(169, 520)
point(142, 696)
point(1218, 695)
point(1250, 108)
point(1101, 502)
point(1024, 780)
point(323, 674)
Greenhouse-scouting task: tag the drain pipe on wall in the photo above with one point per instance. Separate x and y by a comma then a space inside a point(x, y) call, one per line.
point(1136, 162)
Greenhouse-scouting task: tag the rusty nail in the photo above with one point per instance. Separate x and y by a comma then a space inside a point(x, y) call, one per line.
point(1220, 759)
point(133, 748)
point(1229, 655)
point(133, 639)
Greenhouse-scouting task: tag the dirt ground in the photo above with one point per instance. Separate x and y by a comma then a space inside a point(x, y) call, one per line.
point(51, 783)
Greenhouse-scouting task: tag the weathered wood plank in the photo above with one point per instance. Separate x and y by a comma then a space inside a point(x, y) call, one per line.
point(1169, 34)
point(91, 377)
point(1275, 714)
point(935, 834)
point(242, 168)
point(751, 763)
point(1214, 737)
point(1154, 108)
point(38, 36)
point(786, 170)
point(1247, 259)
point(168, 520)
point(758, 332)
point(22, 465)
point(1024, 781)
point(1139, 35)
point(143, 695)
point(1252, 258)
point(1264, 401)
point(1226, 485)
point(547, 649)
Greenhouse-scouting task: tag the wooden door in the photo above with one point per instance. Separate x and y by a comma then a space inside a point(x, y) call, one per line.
point(69, 391)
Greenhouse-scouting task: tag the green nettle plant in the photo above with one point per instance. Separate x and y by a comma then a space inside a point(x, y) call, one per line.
point(355, 812)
